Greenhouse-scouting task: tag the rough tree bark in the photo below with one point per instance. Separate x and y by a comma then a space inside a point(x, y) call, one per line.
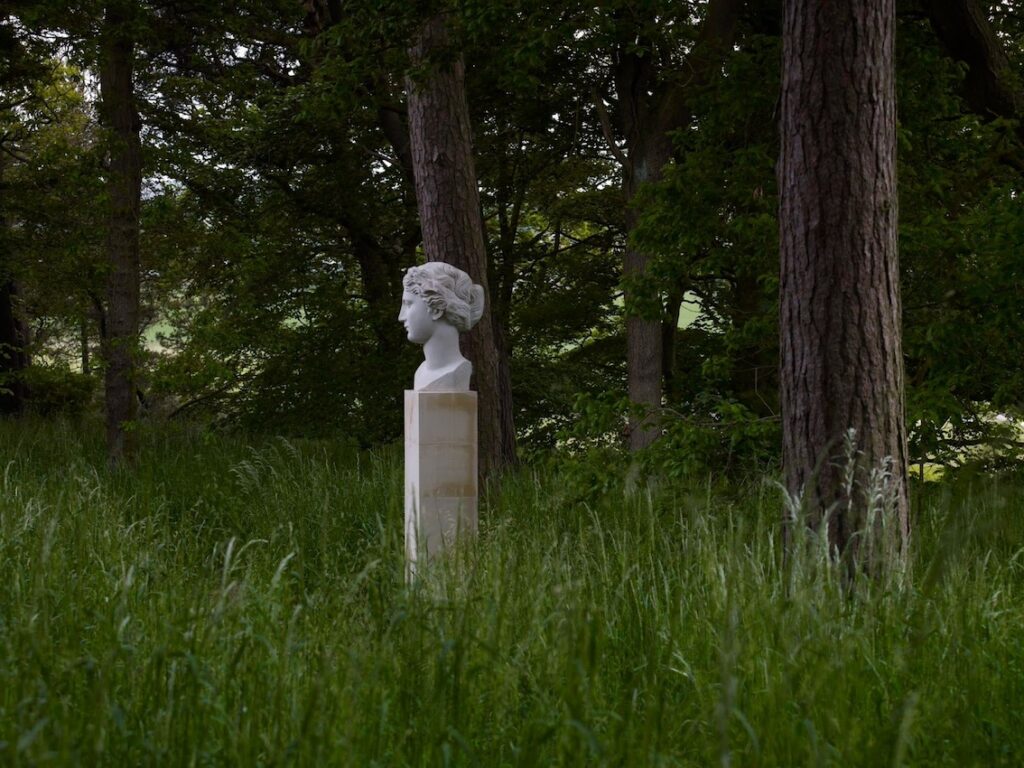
point(124, 185)
point(650, 107)
point(840, 335)
point(449, 208)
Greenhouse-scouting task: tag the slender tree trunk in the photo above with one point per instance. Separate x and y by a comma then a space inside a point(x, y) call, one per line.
point(83, 341)
point(644, 341)
point(651, 107)
point(14, 337)
point(754, 378)
point(669, 339)
point(382, 281)
point(449, 208)
point(14, 355)
point(124, 184)
point(379, 262)
point(841, 358)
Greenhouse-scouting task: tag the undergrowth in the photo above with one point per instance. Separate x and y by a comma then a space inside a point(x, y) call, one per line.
point(227, 603)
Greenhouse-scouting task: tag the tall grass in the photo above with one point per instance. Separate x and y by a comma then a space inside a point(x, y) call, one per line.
point(234, 604)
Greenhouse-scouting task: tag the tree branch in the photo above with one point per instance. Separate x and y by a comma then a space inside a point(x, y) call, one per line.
point(606, 129)
point(966, 33)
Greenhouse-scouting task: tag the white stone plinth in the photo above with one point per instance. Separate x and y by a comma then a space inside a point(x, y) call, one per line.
point(440, 472)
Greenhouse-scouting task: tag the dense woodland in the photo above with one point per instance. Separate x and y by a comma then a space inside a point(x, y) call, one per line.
point(751, 382)
point(206, 211)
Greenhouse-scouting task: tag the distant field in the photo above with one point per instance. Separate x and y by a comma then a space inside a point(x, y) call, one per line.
point(237, 603)
point(151, 336)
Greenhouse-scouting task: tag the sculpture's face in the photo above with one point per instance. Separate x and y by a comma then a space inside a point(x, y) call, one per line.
point(417, 317)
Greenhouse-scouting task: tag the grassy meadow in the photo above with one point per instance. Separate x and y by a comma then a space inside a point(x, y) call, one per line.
point(242, 603)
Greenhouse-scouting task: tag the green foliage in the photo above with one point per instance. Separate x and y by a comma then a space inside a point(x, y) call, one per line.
point(960, 223)
point(279, 212)
point(57, 391)
point(50, 209)
point(283, 233)
point(244, 604)
point(730, 441)
point(593, 461)
point(721, 253)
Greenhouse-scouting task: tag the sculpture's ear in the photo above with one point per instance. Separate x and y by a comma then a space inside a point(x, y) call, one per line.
point(435, 312)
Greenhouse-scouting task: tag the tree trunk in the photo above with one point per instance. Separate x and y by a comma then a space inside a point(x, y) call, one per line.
point(124, 183)
point(753, 381)
point(841, 358)
point(14, 356)
point(650, 108)
point(644, 344)
point(669, 339)
point(449, 208)
point(83, 341)
point(379, 261)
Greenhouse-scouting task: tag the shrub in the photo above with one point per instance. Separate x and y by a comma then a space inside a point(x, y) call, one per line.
point(58, 391)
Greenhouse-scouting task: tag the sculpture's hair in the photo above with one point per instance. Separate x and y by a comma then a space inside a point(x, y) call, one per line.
point(448, 291)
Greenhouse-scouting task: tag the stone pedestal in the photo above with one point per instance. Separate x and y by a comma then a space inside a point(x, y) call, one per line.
point(440, 472)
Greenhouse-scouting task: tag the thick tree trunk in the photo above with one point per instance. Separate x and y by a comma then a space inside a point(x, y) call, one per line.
point(124, 184)
point(14, 356)
point(841, 358)
point(449, 208)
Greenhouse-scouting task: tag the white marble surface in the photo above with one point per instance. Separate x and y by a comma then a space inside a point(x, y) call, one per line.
point(440, 472)
point(439, 302)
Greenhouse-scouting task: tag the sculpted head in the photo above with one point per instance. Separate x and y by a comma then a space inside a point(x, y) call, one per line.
point(439, 293)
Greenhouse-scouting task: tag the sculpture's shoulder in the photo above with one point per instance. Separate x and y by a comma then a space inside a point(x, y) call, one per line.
point(454, 379)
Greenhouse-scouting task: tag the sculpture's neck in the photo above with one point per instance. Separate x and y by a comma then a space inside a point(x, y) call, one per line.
point(442, 349)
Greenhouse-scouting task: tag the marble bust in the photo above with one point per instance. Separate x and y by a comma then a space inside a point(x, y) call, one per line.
point(439, 302)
